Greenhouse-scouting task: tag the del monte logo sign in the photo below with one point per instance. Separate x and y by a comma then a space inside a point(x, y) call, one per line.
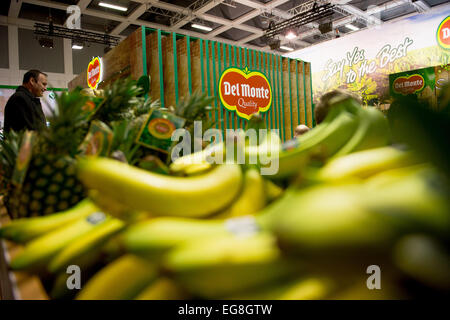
point(443, 33)
point(409, 85)
point(94, 72)
point(245, 91)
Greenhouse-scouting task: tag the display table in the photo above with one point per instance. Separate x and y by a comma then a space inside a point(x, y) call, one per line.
point(16, 285)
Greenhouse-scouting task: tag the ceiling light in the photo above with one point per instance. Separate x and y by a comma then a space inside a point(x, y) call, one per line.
point(112, 6)
point(351, 27)
point(286, 48)
point(201, 27)
point(77, 47)
point(291, 35)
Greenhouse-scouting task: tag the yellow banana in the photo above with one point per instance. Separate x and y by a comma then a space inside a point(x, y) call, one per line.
point(38, 252)
point(88, 243)
point(162, 195)
point(123, 279)
point(157, 235)
point(203, 158)
point(272, 190)
point(304, 288)
point(365, 163)
point(26, 229)
point(225, 265)
point(162, 288)
point(251, 200)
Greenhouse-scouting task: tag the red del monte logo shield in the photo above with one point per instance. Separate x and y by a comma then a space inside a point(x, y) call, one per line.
point(245, 91)
point(408, 85)
point(94, 72)
point(443, 33)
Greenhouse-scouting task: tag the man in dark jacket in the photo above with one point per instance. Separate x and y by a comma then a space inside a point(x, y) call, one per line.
point(23, 109)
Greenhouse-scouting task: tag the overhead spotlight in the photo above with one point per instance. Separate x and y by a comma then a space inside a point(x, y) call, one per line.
point(201, 27)
point(112, 6)
point(351, 27)
point(291, 35)
point(286, 48)
point(77, 45)
point(45, 42)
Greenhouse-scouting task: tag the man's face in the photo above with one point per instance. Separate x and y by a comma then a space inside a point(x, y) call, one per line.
point(39, 86)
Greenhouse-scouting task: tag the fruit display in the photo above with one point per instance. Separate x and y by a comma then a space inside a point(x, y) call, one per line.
point(354, 192)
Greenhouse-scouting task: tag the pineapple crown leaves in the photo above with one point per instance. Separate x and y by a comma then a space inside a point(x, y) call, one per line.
point(9, 150)
point(125, 133)
point(196, 107)
point(120, 99)
point(68, 125)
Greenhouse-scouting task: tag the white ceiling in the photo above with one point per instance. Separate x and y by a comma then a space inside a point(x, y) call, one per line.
point(238, 22)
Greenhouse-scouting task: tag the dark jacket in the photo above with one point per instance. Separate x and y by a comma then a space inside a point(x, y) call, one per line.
point(23, 111)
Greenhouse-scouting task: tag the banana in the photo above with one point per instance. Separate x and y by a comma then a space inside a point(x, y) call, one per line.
point(413, 199)
point(372, 132)
point(323, 141)
point(163, 288)
point(225, 265)
point(26, 229)
point(162, 195)
point(88, 243)
point(203, 158)
point(39, 251)
point(154, 236)
point(326, 218)
point(365, 163)
point(304, 288)
point(123, 279)
point(272, 190)
point(424, 259)
point(251, 200)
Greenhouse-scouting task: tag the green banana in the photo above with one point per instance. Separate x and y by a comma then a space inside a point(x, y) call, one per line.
point(26, 229)
point(123, 279)
point(162, 195)
point(424, 259)
point(325, 218)
point(365, 163)
point(38, 252)
point(88, 243)
point(225, 265)
point(413, 199)
point(372, 132)
point(323, 141)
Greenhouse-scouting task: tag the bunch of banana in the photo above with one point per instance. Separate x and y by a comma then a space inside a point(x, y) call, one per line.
point(363, 164)
point(251, 199)
point(26, 229)
point(228, 264)
point(38, 253)
point(109, 283)
point(141, 190)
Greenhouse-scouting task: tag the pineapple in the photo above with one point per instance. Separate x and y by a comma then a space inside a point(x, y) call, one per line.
point(51, 184)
